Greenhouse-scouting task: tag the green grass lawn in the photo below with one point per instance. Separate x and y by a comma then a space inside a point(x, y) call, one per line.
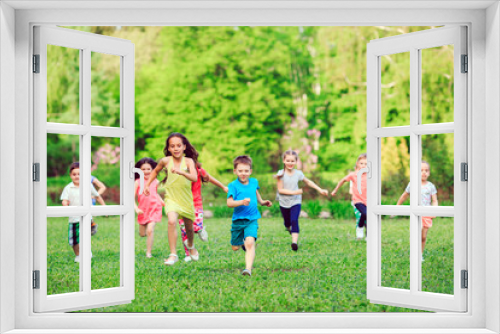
point(327, 274)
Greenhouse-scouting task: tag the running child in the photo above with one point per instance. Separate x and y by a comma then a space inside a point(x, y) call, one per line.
point(243, 196)
point(198, 227)
point(101, 188)
point(71, 197)
point(150, 207)
point(290, 196)
point(179, 164)
point(358, 199)
point(429, 198)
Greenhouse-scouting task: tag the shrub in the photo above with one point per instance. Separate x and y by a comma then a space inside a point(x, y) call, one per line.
point(313, 208)
point(222, 211)
point(340, 209)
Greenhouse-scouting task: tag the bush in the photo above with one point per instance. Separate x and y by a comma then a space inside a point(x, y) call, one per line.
point(313, 208)
point(340, 209)
point(222, 211)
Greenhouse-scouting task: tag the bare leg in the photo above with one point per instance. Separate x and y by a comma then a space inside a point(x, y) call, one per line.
point(142, 231)
point(150, 229)
point(295, 237)
point(76, 249)
point(250, 253)
point(424, 237)
point(188, 224)
point(172, 233)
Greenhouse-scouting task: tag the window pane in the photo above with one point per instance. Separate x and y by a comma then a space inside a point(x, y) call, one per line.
point(438, 152)
point(63, 85)
point(63, 270)
point(437, 257)
point(395, 247)
point(106, 169)
point(106, 252)
point(62, 152)
point(105, 96)
point(437, 84)
point(395, 169)
point(395, 89)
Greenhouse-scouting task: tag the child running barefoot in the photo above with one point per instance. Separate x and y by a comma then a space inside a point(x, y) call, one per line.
point(149, 208)
point(429, 197)
point(243, 196)
point(358, 199)
point(180, 166)
point(198, 228)
point(290, 196)
point(71, 197)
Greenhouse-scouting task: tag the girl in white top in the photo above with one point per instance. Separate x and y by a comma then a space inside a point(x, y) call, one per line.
point(290, 196)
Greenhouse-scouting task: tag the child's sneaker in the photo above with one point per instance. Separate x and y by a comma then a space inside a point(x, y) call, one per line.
point(295, 247)
point(360, 233)
point(77, 258)
point(187, 258)
point(203, 235)
point(93, 229)
point(246, 272)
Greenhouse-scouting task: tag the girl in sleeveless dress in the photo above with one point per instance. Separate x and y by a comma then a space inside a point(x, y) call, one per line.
point(149, 208)
point(179, 165)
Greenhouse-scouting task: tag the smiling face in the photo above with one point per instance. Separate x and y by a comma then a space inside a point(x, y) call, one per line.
point(290, 161)
point(425, 171)
point(147, 169)
point(176, 147)
point(75, 176)
point(243, 171)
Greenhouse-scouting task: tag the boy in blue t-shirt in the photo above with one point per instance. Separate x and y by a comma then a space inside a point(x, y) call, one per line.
point(243, 195)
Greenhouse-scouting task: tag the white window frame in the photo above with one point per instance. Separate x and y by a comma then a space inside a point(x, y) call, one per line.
point(484, 103)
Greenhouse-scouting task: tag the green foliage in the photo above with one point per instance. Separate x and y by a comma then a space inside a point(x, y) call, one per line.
point(241, 90)
point(313, 208)
point(327, 274)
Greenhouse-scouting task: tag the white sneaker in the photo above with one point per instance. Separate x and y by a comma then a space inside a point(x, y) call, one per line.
point(360, 233)
point(187, 259)
point(77, 258)
point(203, 235)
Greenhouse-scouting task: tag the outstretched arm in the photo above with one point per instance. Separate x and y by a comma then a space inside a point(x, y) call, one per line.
point(101, 188)
point(154, 174)
point(313, 185)
point(216, 182)
point(100, 200)
point(344, 180)
point(263, 202)
point(284, 191)
point(403, 198)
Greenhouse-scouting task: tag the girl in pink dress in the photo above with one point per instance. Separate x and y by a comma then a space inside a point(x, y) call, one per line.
point(198, 227)
point(150, 207)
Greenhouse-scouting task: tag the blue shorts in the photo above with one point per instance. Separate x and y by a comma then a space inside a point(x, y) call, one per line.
point(243, 228)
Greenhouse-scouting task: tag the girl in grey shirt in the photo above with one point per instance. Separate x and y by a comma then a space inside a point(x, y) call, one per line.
point(290, 196)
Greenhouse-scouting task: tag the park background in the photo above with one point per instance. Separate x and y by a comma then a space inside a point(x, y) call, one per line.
point(256, 91)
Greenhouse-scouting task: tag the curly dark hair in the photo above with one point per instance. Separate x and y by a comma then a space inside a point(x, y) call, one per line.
point(189, 152)
point(143, 161)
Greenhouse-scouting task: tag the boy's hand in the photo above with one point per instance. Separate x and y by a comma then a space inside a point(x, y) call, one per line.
point(334, 193)
point(246, 201)
point(267, 203)
point(324, 192)
point(139, 212)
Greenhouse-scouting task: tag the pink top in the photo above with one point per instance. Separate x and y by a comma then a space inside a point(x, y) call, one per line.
point(196, 189)
point(356, 197)
point(150, 205)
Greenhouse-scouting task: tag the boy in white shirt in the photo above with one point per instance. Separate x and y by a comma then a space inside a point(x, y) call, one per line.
point(71, 197)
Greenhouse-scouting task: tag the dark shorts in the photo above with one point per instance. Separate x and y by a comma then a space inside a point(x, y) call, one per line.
point(243, 228)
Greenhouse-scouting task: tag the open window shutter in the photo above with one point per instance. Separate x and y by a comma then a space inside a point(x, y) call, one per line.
point(85, 291)
point(412, 294)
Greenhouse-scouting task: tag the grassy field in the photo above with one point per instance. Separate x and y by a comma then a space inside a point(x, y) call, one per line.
point(327, 274)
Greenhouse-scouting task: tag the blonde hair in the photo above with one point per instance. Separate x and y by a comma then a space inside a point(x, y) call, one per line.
point(361, 156)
